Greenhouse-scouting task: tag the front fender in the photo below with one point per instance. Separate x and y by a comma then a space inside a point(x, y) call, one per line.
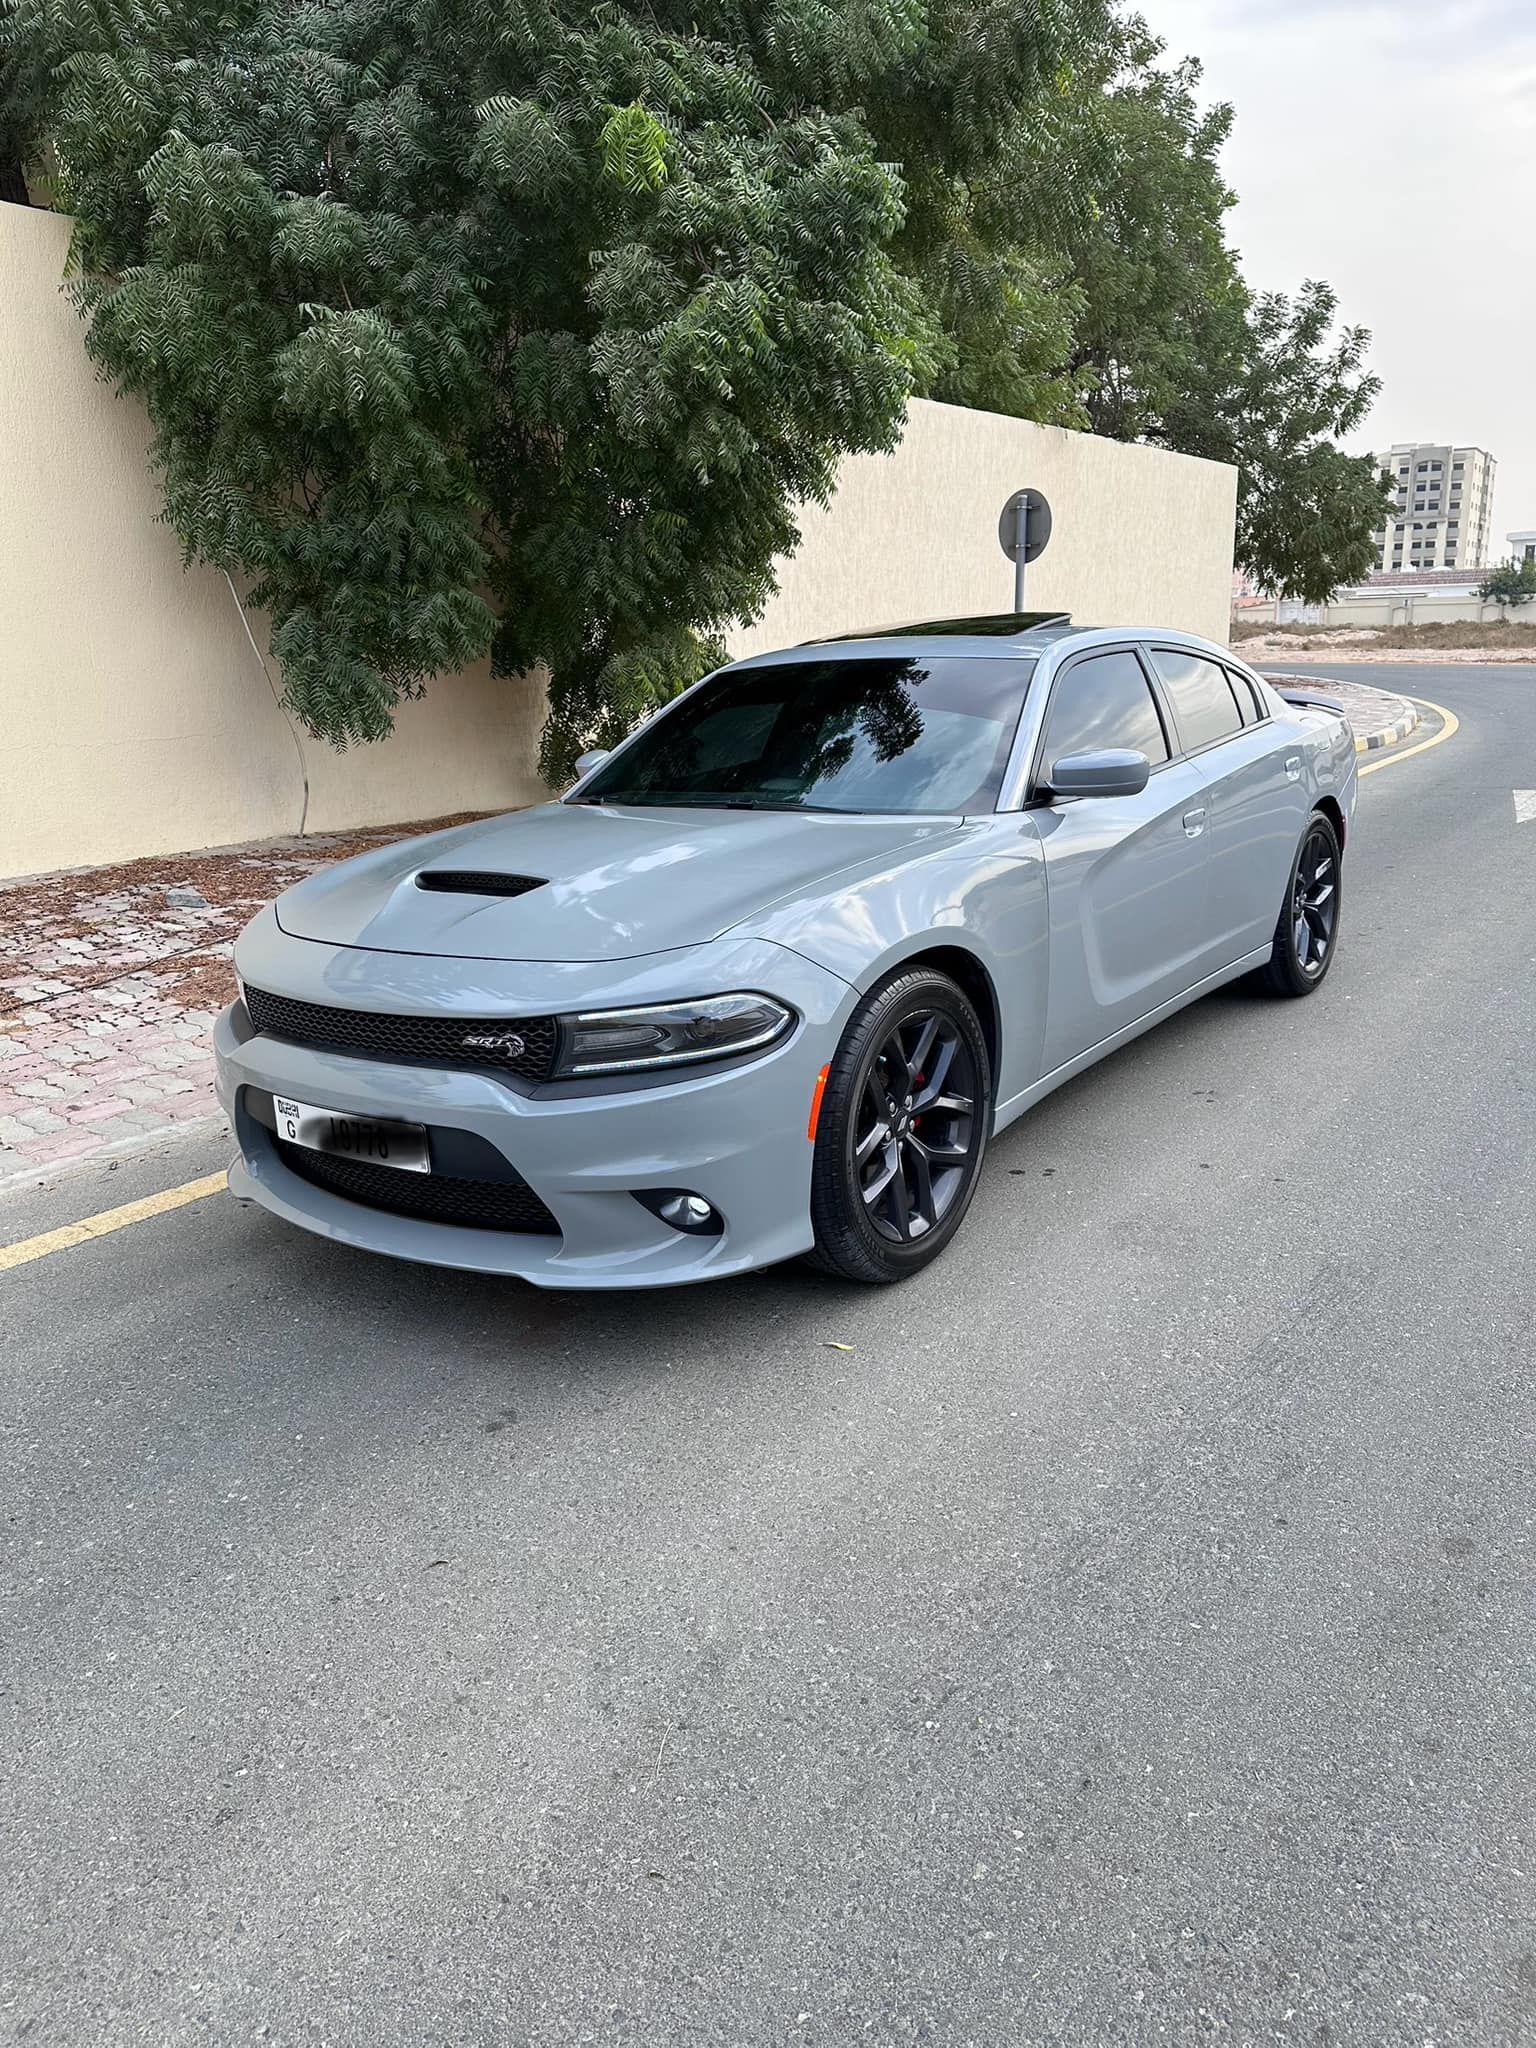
point(988, 901)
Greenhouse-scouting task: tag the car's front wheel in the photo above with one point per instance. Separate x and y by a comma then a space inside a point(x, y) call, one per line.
point(902, 1130)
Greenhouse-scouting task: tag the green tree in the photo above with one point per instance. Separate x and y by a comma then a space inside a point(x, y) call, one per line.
point(1161, 289)
point(527, 325)
point(23, 104)
point(508, 324)
point(993, 121)
point(1511, 583)
point(1169, 345)
point(1307, 512)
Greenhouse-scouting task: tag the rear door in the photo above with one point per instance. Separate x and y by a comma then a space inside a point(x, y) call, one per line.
point(1255, 794)
point(1125, 875)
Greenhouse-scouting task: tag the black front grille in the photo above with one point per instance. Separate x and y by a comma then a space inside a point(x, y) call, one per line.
point(430, 1197)
point(514, 1045)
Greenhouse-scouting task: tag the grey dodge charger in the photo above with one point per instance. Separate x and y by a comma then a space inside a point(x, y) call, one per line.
point(768, 978)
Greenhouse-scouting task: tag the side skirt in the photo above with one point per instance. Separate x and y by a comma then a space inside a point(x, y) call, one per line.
point(1007, 1112)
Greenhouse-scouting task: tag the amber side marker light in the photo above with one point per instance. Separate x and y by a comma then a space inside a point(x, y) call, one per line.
point(816, 1094)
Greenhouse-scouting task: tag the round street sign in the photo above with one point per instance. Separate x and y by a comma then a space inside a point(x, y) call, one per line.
point(1039, 525)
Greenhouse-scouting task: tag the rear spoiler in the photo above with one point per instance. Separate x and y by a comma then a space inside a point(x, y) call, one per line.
point(1308, 699)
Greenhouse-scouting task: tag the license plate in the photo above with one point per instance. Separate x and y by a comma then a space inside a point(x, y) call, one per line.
point(353, 1137)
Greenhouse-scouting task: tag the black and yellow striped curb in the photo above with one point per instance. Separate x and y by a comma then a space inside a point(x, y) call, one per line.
point(1346, 695)
point(1368, 742)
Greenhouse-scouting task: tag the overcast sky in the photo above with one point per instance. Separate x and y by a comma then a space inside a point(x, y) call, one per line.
point(1391, 149)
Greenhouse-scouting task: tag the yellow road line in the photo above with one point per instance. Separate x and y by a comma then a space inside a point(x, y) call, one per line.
point(108, 1220)
point(1391, 756)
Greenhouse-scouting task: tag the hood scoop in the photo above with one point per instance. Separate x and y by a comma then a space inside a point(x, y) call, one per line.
point(476, 882)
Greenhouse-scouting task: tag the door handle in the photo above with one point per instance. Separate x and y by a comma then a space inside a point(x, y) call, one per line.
point(1194, 822)
point(1293, 767)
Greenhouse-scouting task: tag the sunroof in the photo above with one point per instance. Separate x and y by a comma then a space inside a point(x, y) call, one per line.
point(996, 625)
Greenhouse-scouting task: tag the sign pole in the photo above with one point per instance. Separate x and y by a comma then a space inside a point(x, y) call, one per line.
point(1020, 553)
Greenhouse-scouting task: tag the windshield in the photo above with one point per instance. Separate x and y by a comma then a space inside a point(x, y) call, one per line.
point(913, 733)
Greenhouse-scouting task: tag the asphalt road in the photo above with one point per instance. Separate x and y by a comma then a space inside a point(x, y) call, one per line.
point(1130, 1639)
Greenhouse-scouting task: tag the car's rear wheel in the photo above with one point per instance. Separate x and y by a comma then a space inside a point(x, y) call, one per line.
point(1307, 933)
point(902, 1130)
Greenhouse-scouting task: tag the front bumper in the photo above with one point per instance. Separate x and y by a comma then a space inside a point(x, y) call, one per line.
point(736, 1135)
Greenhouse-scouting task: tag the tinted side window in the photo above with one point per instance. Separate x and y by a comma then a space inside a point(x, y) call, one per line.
point(1203, 703)
point(1104, 701)
point(1247, 698)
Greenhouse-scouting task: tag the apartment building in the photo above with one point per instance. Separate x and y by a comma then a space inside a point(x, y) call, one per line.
point(1442, 507)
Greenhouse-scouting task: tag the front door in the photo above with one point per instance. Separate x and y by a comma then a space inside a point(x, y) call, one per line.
point(1126, 876)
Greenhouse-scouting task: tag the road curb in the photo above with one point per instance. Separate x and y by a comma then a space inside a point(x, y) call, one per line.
point(1447, 729)
point(45, 1172)
point(1368, 742)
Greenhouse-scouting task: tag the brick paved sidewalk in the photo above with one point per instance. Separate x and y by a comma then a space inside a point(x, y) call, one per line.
point(109, 982)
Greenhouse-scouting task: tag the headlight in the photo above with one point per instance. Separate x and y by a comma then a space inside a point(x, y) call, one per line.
point(669, 1035)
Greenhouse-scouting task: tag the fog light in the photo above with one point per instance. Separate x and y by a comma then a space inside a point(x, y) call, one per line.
point(683, 1210)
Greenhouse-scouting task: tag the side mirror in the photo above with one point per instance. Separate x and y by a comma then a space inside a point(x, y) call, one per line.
point(585, 763)
point(1106, 771)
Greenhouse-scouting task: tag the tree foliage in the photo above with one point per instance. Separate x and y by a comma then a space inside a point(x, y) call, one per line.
point(467, 325)
point(525, 326)
point(994, 124)
point(1095, 285)
point(1307, 512)
point(1160, 288)
point(24, 91)
point(1510, 583)
point(1174, 348)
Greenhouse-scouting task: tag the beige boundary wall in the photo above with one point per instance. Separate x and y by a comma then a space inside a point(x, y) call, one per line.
point(1141, 537)
point(136, 718)
point(1382, 608)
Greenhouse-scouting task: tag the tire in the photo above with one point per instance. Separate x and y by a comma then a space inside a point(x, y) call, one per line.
point(1307, 931)
point(930, 1157)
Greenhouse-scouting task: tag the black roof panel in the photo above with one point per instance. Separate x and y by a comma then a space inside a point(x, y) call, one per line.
point(995, 625)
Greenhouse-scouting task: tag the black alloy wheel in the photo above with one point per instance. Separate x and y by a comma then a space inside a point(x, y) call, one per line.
point(1307, 933)
point(913, 1124)
point(903, 1128)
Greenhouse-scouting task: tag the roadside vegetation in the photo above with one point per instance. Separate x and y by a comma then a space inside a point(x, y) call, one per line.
point(523, 328)
point(1444, 634)
point(1510, 582)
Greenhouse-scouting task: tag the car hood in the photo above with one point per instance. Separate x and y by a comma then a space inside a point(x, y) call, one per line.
point(610, 882)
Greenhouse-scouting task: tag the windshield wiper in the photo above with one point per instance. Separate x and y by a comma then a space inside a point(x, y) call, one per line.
point(649, 802)
point(760, 803)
